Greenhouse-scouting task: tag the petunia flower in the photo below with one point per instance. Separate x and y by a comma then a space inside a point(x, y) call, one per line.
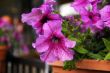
point(53, 45)
point(105, 15)
point(39, 16)
point(82, 5)
point(92, 20)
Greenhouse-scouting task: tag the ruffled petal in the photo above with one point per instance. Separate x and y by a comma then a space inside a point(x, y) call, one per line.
point(33, 17)
point(80, 5)
point(69, 43)
point(99, 24)
point(46, 9)
point(48, 56)
point(105, 12)
point(55, 16)
point(52, 26)
point(41, 44)
point(65, 54)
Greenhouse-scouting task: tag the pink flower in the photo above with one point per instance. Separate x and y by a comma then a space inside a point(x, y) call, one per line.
point(81, 5)
point(53, 45)
point(39, 16)
point(2, 23)
point(105, 15)
point(51, 2)
point(92, 20)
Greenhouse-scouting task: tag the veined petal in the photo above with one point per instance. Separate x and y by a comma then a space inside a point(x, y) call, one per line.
point(99, 24)
point(48, 56)
point(52, 26)
point(65, 54)
point(55, 16)
point(105, 12)
point(41, 44)
point(33, 17)
point(46, 9)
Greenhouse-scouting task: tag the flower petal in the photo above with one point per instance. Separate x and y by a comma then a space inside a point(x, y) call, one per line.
point(52, 26)
point(65, 54)
point(46, 9)
point(54, 16)
point(105, 12)
point(33, 17)
point(48, 56)
point(41, 44)
point(69, 43)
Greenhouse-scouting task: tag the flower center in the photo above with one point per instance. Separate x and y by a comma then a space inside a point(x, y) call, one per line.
point(55, 39)
point(44, 19)
point(90, 16)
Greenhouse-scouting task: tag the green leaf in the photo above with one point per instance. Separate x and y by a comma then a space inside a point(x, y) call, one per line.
point(69, 65)
point(107, 57)
point(95, 56)
point(81, 50)
point(74, 39)
point(107, 43)
point(1, 32)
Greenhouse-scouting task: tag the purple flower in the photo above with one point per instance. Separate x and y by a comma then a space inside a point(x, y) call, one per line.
point(2, 23)
point(25, 48)
point(92, 20)
point(53, 45)
point(39, 16)
point(81, 5)
point(51, 2)
point(105, 15)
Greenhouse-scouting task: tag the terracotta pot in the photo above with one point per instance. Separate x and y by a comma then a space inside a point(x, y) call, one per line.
point(84, 66)
point(3, 52)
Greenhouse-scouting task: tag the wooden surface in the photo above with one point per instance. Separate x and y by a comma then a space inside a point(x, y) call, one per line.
point(60, 70)
point(84, 66)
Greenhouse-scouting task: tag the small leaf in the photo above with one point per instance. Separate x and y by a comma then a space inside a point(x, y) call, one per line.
point(73, 38)
point(107, 43)
point(107, 57)
point(1, 32)
point(95, 56)
point(81, 50)
point(69, 65)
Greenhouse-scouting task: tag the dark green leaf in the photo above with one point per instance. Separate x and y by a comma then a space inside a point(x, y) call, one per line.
point(81, 50)
point(1, 32)
point(107, 43)
point(107, 57)
point(95, 56)
point(69, 65)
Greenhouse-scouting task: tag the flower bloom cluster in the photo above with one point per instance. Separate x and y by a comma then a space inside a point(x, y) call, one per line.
point(92, 17)
point(51, 43)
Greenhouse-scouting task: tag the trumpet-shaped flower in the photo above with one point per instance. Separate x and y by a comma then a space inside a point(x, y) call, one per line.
point(39, 16)
point(53, 45)
point(92, 20)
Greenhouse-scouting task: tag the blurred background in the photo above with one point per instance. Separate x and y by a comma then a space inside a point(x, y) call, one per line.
point(21, 57)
